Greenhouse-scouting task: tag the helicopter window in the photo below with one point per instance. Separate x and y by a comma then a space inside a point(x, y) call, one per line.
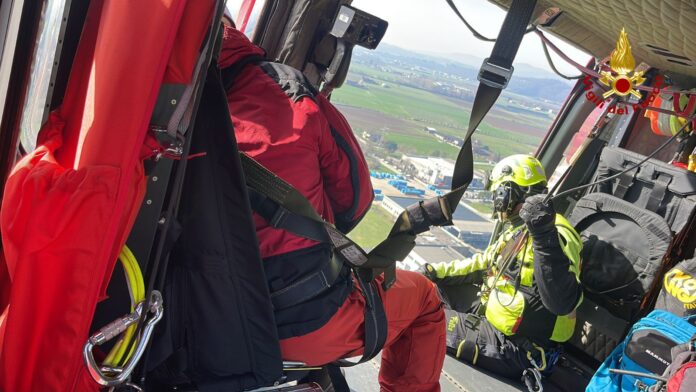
point(49, 40)
point(235, 6)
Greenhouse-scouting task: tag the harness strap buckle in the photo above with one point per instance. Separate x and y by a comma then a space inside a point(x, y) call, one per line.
point(493, 75)
point(279, 217)
point(532, 380)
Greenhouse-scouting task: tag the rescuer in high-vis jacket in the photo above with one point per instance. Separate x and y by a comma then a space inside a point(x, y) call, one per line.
point(509, 317)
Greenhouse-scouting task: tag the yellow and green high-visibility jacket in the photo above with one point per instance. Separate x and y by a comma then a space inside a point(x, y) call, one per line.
point(537, 294)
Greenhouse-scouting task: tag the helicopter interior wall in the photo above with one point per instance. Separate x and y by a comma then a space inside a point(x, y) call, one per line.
point(643, 141)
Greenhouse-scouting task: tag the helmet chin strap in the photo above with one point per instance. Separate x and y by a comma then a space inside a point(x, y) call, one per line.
point(507, 198)
point(515, 220)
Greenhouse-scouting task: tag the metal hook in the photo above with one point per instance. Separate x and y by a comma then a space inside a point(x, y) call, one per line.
point(119, 376)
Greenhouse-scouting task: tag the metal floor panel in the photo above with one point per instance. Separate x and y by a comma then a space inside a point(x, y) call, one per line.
point(456, 377)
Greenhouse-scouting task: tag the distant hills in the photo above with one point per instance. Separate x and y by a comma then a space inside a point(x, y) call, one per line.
point(521, 69)
point(527, 80)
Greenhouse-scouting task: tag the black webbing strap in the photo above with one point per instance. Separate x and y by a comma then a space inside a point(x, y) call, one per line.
point(345, 252)
point(338, 380)
point(229, 74)
point(267, 183)
point(309, 286)
point(622, 184)
point(468, 348)
point(376, 326)
point(494, 75)
point(280, 217)
point(659, 191)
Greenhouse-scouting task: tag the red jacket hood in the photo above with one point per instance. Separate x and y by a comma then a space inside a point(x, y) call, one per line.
point(235, 46)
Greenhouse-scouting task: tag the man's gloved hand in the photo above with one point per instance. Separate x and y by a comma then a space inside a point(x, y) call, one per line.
point(539, 216)
point(428, 271)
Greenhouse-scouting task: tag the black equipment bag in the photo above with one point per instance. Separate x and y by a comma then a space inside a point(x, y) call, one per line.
point(678, 293)
point(656, 186)
point(218, 331)
point(623, 249)
point(628, 226)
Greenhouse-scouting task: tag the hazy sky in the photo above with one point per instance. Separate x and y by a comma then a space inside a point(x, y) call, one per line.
point(431, 26)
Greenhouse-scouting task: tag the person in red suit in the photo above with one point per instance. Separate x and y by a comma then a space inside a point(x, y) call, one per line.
point(282, 122)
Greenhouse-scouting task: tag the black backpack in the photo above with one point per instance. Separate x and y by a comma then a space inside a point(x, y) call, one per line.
point(678, 294)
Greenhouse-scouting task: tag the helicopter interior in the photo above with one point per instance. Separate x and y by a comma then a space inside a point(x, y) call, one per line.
point(644, 218)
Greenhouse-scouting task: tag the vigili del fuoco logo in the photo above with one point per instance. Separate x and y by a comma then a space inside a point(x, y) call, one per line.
point(621, 80)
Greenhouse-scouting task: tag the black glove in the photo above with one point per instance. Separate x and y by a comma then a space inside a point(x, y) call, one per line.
point(539, 216)
point(428, 271)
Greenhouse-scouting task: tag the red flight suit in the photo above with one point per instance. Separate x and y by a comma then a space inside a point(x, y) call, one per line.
point(302, 138)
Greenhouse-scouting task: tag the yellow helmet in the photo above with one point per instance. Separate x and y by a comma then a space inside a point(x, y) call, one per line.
point(523, 170)
point(513, 179)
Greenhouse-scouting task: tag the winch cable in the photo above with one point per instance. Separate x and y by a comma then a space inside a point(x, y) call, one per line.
point(471, 28)
point(553, 66)
point(546, 43)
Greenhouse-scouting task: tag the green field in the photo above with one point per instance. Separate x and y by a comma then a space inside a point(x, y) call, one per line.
point(422, 145)
point(482, 207)
point(413, 109)
point(405, 103)
point(373, 228)
point(427, 106)
point(378, 167)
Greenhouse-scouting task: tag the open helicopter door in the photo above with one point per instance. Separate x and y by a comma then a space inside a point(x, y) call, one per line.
point(69, 205)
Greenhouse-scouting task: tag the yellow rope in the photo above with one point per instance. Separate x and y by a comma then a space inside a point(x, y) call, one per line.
point(136, 286)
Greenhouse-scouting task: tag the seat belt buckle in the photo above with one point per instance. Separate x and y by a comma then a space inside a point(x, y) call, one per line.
point(502, 74)
point(472, 321)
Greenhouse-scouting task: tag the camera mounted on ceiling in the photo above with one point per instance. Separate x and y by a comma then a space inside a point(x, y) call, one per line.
point(351, 27)
point(356, 27)
point(317, 37)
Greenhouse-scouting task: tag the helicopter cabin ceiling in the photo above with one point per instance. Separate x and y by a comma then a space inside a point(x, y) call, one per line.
point(662, 32)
